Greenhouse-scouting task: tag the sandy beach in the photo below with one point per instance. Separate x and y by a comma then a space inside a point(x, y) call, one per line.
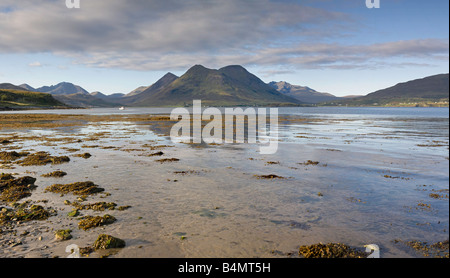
point(350, 179)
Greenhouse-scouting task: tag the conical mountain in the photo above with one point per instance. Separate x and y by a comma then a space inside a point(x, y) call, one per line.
point(228, 86)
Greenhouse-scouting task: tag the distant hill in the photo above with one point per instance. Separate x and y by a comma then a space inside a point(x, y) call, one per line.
point(304, 94)
point(27, 87)
point(63, 88)
point(83, 100)
point(21, 99)
point(228, 86)
point(425, 91)
point(9, 86)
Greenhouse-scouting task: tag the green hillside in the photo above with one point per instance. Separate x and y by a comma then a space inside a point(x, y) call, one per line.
point(229, 86)
point(428, 91)
point(18, 99)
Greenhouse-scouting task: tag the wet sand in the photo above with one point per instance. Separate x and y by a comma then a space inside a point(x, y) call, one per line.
point(348, 180)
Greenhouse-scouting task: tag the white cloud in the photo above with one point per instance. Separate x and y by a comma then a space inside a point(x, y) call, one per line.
point(35, 64)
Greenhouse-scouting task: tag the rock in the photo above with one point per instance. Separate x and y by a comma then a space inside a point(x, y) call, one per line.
point(63, 235)
point(106, 242)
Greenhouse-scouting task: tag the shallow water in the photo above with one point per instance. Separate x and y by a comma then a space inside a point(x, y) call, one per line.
point(375, 167)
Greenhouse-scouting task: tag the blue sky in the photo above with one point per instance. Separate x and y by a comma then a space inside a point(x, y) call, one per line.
point(115, 46)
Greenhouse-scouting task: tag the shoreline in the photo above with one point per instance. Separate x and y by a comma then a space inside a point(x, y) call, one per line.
point(211, 194)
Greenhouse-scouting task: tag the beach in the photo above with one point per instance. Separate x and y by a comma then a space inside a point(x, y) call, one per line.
point(356, 177)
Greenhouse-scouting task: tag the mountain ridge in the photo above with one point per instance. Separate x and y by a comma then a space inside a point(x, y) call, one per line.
point(228, 86)
point(302, 93)
point(427, 91)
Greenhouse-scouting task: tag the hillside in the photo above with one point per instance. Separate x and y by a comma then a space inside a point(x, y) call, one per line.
point(83, 100)
point(228, 86)
point(9, 86)
point(428, 91)
point(302, 93)
point(21, 99)
point(136, 98)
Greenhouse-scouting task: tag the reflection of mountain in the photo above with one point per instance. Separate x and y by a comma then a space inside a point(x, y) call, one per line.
point(228, 86)
point(304, 94)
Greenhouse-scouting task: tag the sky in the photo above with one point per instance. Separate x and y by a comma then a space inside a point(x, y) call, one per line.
point(114, 46)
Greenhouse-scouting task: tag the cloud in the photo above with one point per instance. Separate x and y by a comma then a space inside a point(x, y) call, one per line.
point(163, 26)
point(35, 64)
point(174, 35)
point(301, 56)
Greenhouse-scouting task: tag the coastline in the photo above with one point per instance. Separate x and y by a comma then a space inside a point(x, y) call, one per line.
point(210, 204)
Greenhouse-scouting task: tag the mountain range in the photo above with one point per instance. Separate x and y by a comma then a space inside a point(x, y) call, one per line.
point(235, 86)
point(423, 91)
point(304, 94)
point(228, 86)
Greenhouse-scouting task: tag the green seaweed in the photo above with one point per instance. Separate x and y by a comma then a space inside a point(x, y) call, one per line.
point(77, 188)
point(63, 235)
point(107, 242)
point(89, 222)
point(330, 250)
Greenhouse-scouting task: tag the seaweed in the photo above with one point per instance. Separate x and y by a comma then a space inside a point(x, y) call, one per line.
point(55, 174)
point(437, 250)
point(156, 154)
point(77, 188)
point(43, 158)
point(167, 160)
point(107, 242)
point(84, 155)
point(270, 176)
point(12, 156)
point(12, 189)
point(100, 206)
point(63, 235)
point(310, 162)
point(24, 212)
point(89, 222)
point(330, 250)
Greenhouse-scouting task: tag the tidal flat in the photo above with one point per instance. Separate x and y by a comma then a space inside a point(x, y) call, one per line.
point(340, 180)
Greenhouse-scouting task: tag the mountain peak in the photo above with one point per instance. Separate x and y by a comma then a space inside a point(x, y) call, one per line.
point(228, 86)
point(233, 67)
point(197, 69)
point(63, 88)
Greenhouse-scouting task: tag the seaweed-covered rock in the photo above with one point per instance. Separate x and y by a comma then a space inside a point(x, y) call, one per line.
point(12, 189)
point(330, 250)
point(24, 212)
point(4, 141)
point(84, 155)
point(63, 234)
point(100, 206)
point(11, 156)
point(106, 242)
point(164, 160)
point(43, 158)
point(270, 176)
point(55, 174)
point(89, 222)
point(77, 188)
